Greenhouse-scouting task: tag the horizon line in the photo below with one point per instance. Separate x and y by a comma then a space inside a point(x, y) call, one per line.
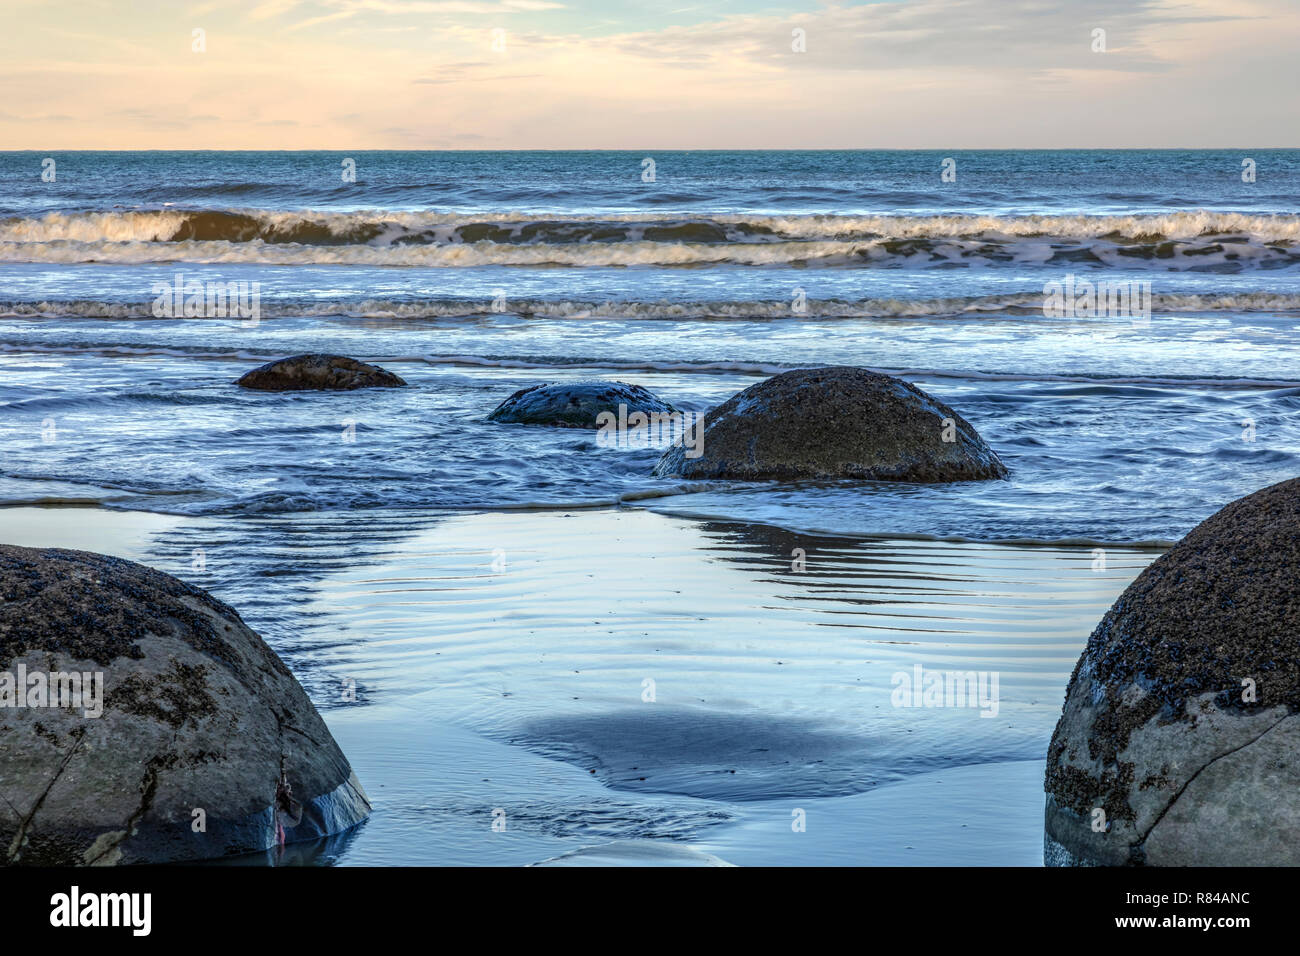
point(641, 149)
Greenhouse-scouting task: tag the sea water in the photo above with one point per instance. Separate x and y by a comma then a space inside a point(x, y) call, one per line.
point(474, 274)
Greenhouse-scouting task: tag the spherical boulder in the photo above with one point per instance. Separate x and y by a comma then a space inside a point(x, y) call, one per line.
point(335, 373)
point(141, 721)
point(577, 404)
point(835, 422)
point(1179, 741)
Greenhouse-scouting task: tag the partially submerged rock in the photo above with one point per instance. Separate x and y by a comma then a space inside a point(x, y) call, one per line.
point(180, 754)
point(318, 373)
point(577, 404)
point(835, 422)
point(1179, 743)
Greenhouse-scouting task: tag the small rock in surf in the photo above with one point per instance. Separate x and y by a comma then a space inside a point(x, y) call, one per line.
point(576, 404)
point(835, 422)
point(318, 373)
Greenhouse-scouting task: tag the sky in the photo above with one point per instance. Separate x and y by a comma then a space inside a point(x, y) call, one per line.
point(587, 74)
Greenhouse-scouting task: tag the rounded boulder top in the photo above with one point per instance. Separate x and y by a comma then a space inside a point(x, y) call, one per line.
point(577, 404)
point(318, 372)
point(1179, 740)
point(142, 721)
point(834, 422)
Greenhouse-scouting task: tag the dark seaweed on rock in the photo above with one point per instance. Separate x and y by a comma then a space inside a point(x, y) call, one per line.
point(1220, 605)
point(197, 711)
point(1156, 702)
point(95, 607)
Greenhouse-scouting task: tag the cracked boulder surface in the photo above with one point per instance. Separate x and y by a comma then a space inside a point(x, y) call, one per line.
point(576, 404)
point(835, 422)
point(335, 373)
point(198, 714)
point(1182, 718)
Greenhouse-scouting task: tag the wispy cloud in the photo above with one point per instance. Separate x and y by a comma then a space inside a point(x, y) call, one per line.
point(346, 9)
point(941, 73)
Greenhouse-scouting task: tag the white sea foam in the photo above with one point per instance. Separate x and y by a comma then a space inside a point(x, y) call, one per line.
point(162, 225)
point(675, 367)
point(1182, 240)
point(1029, 303)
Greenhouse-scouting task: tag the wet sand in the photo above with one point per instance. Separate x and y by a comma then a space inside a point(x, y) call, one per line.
point(623, 686)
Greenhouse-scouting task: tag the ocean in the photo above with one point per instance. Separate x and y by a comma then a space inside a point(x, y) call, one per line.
point(516, 585)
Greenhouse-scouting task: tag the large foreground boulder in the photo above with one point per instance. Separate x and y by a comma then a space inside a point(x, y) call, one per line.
point(1179, 743)
point(336, 373)
point(576, 404)
point(836, 422)
point(181, 753)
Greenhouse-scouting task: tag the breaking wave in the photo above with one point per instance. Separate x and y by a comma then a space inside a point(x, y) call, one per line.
point(1198, 240)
